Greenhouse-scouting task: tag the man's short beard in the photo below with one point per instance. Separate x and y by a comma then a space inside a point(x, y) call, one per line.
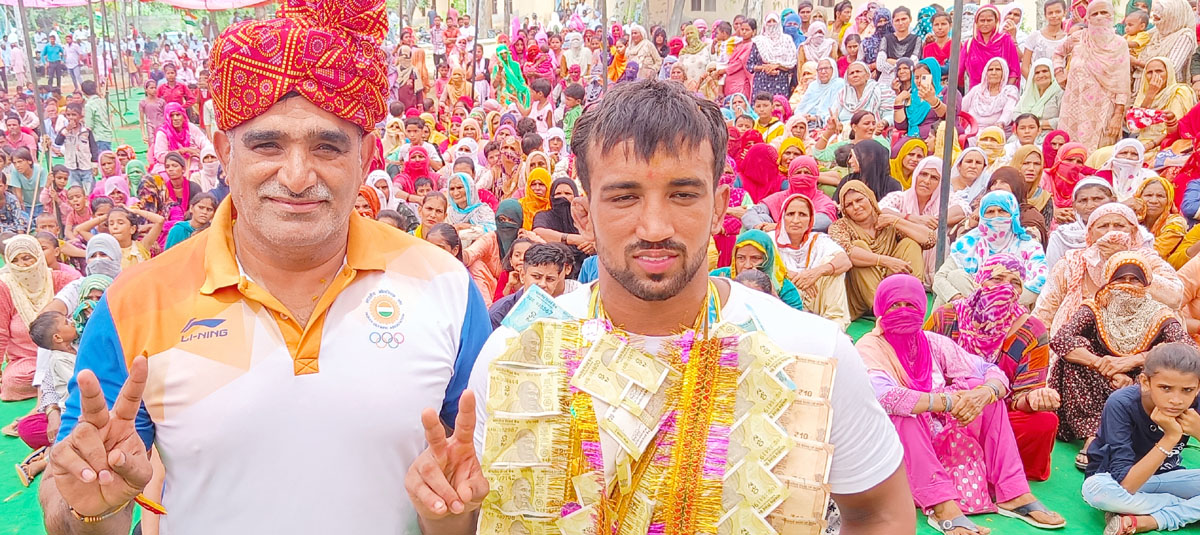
point(640, 289)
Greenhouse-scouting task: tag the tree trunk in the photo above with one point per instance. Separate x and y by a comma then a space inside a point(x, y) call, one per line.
point(483, 24)
point(676, 17)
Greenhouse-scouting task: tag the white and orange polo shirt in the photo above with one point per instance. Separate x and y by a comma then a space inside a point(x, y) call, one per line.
point(267, 426)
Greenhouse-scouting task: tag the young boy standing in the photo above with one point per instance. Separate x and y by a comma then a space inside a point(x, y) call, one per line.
point(1134, 471)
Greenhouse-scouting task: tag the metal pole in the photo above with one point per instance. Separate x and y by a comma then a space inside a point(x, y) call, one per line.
point(951, 130)
point(474, 60)
point(41, 108)
point(91, 17)
point(604, 47)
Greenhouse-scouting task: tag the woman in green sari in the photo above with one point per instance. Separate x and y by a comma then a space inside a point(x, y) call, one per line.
point(756, 250)
point(509, 82)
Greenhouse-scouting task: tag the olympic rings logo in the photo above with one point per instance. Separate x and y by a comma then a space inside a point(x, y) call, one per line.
point(386, 340)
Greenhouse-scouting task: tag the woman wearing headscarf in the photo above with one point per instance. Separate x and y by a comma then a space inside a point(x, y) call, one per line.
point(773, 59)
point(818, 46)
point(1010, 179)
point(802, 180)
point(1160, 217)
point(486, 257)
point(760, 172)
point(409, 87)
point(991, 100)
point(1161, 91)
point(660, 40)
point(1042, 94)
point(508, 80)
point(792, 23)
point(991, 141)
point(922, 203)
point(1103, 346)
point(556, 225)
point(694, 56)
point(209, 175)
point(1172, 37)
point(1066, 172)
point(416, 167)
point(471, 217)
point(921, 106)
point(27, 285)
point(906, 153)
point(643, 51)
point(821, 94)
point(1079, 274)
point(537, 195)
point(947, 406)
point(872, 44)
point(756, 250)
point(617, 61)
point(871, 166)
point(815, 264)
point(878, 244)
point(1096, 87)
point(989, 42)
point(991, 323)
point(1125, 170)
point(574, 54)
point(1089, 194)
point(738, 77)
point(861, 93)
point(177, 135)
point(999, 231)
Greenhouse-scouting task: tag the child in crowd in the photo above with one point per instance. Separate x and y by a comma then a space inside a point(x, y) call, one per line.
point(1136, 35)
point(55, 332)
point(768, 125)
point(743, 124)
point(573, 97)
point(1134, 471)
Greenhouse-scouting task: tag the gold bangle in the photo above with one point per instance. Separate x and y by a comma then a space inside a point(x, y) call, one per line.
point(97, 518)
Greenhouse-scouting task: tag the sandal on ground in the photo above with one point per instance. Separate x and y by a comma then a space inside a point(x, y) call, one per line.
point(1024, 514)
point(960, 521)
point(1081, 460)
point(23, 475)
point(1114, 524)
point(10, 430)
point(36, 455)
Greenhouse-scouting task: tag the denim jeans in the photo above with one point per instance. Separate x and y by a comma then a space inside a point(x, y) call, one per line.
point(1173, 498)
point(102, 146)
point(83, 178)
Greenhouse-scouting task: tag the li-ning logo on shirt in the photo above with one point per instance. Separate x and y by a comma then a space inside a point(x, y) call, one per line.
point(202, 330)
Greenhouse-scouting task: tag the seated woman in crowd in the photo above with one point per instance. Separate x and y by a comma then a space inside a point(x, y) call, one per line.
point(1103, 346)
point(870, 165)
point(1125, 169)
point(556, 225)
point(991, 323)
point(366, 204)
point(1009, 179)
point(756, 250)
point(1089, 194)
point(878, 244)
point(1042, 94)
point(814, 262)
point(999, 231)
point(922, 106)
point(1161, 217)
point(484, 258)
point(536, 198)
point(802, 176)
point(906, 153)
point(1030, 163)
point(862, 127)
point(949, 410)
point(471, 217)
point(1067, 171)
point(967, 176)
point(922, 203)
point(1079, 274)
point(202, 210)
point(992, 103)
point(1160, 91)
point(27, 285)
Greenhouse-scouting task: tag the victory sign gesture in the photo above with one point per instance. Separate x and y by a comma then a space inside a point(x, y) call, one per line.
point(446, 479)
point(103, 464)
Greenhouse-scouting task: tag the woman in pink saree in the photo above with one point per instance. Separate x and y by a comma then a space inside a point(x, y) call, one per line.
point(1097, 84)
point(948, 408)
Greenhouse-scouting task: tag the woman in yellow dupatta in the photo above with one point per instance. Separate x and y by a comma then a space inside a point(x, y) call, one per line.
point(905, 159)
point(791, 148)
point(1159, 215)
point(537, 195)
point(1162, 92)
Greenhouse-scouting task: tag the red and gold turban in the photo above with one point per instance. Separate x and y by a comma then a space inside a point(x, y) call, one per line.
point(326, 50)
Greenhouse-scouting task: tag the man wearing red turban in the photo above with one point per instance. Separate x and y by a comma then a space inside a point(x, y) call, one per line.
point(275, 359)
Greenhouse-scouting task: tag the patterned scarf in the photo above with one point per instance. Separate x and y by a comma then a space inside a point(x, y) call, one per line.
point(986, 316)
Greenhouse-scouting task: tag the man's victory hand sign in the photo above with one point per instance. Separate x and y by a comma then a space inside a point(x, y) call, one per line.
point(103, 464)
